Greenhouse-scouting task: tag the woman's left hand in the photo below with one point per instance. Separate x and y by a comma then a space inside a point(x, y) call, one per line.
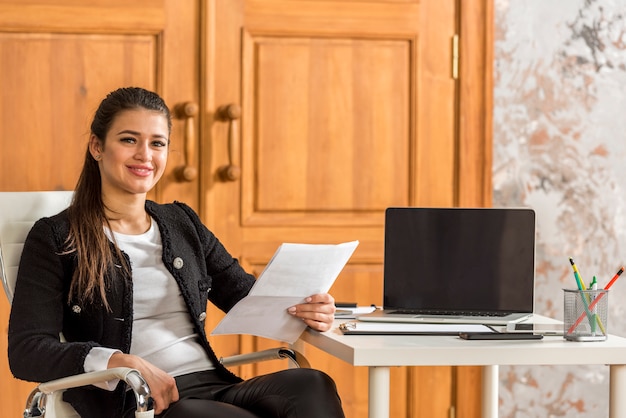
point(318, 311)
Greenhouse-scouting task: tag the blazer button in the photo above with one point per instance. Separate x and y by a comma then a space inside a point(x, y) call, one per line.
point(76, 309)
point(208, 290)
point(178, 263)
point(202, 316)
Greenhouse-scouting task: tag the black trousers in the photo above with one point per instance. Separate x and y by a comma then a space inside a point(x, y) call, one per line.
point(291, 393)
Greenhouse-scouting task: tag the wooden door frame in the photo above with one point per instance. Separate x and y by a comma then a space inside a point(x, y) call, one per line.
point(475, 146)
point(475, 102)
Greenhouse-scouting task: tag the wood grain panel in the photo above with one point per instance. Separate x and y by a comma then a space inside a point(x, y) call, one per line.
point(467, 403)
point(93, 16)
point(476, 102)
point(431, 392)
point(435, 160)
point(55, 82)
point(330, 114)
point(357, 18)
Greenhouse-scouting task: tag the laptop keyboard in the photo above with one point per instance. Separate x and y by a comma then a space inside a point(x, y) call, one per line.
point(447, 313)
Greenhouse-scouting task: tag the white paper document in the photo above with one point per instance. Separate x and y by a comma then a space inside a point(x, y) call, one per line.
point(295, 272)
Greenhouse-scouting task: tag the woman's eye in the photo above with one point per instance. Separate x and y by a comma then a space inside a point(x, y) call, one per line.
point(159, 144)
point(129, 140)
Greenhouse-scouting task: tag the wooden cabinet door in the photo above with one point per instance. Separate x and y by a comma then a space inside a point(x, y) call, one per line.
point(322, 113)
point(58, 58)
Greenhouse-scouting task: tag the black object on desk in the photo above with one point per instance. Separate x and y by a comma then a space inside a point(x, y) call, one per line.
point(345, 304)
point(500, 336)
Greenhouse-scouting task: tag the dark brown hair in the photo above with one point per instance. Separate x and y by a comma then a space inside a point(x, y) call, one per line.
point(87, 239)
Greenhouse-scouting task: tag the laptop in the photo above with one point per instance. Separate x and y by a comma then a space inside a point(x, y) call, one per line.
point(458, 265)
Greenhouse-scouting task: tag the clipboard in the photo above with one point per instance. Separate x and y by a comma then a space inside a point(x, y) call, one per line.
point(391, 328)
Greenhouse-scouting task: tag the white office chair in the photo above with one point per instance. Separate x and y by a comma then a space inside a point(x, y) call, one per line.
point(18, 213)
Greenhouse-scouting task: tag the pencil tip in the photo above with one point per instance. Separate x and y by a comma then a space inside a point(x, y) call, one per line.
point(571, 261)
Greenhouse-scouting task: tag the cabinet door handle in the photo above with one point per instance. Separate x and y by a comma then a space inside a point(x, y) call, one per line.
point(231, 114)
point(187, 111)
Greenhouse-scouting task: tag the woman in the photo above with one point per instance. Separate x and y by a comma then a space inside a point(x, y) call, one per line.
point(126, 280)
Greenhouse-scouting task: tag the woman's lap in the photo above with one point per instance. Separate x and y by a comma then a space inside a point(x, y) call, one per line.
point(289, 393)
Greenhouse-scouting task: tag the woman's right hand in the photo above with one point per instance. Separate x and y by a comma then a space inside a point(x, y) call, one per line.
point(162, 386)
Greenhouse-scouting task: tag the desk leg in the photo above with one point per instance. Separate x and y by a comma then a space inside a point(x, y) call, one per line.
point(490, 392)
point(378, 396)
point(617, 382)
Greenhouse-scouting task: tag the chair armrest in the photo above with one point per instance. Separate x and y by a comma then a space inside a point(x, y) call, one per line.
point(296, 359)
point(131, 376)
point(85, 379)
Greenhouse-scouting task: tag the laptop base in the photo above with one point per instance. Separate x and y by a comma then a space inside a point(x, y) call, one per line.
point(388, 316)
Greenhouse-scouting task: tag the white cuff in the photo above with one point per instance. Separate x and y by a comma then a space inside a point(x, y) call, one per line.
point(97, 360)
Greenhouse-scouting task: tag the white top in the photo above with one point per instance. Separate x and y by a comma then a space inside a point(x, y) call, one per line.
point(163, 332)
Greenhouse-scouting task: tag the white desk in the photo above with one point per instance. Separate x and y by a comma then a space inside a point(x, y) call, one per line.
point(379, 353)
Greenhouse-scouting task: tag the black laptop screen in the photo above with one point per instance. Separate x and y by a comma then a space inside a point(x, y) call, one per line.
point(459, 259)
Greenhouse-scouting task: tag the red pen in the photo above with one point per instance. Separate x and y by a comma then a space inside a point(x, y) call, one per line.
point(609, 284)
point(596, 300)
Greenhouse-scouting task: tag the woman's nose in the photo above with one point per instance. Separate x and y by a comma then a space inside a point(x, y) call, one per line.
point(143, 152)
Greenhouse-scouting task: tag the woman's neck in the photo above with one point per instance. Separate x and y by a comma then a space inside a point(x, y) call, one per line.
point(127, 216)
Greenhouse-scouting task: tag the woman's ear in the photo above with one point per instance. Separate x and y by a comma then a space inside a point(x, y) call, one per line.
point(95, 147)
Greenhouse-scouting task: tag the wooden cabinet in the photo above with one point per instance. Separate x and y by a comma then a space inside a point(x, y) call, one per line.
point(347, 108)
point(58, 58)
point(338, 109)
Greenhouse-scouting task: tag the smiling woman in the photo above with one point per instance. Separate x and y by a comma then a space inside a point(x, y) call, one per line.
point(127, 280)
point(119, 169)
point(132, 151)
point(131, 160)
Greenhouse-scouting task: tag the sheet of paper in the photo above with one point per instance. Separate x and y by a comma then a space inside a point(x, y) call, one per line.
point(295, 272)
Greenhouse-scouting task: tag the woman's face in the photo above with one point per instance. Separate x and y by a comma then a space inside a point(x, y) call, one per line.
point(134, 154)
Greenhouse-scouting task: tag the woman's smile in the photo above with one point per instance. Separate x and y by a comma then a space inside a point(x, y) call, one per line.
point(140, 170)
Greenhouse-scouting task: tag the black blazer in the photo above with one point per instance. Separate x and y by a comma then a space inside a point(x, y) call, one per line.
point(40, 310)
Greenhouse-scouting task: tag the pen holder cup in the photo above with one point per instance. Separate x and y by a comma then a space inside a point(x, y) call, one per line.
point(585, 314)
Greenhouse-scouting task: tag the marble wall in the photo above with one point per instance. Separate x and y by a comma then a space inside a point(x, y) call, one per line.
point(560, 148)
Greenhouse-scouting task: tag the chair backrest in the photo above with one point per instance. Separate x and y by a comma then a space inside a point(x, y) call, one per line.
point(18, 212)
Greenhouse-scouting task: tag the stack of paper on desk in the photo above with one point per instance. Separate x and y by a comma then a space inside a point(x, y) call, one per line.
point(389, 328)
point(295, 272)
point(353, 313)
